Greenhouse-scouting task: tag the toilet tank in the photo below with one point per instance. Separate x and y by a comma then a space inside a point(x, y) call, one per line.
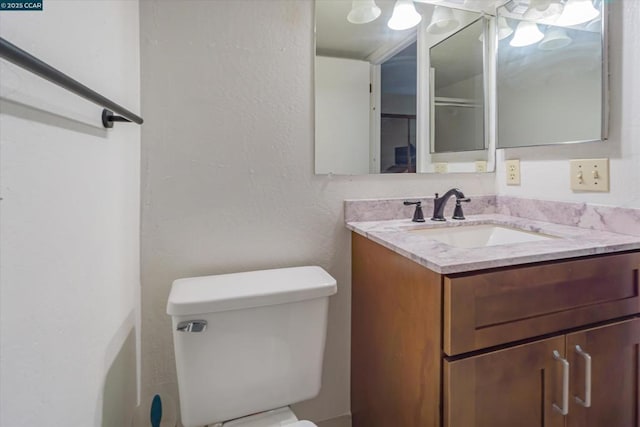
point(261, 348)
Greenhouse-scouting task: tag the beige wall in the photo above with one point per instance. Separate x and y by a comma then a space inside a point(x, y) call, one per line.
point(227, 180)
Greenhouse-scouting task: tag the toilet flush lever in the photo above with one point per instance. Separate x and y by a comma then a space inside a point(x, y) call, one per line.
point(192, 326)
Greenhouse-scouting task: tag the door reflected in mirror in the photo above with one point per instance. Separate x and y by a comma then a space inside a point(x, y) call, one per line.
point(398, 103)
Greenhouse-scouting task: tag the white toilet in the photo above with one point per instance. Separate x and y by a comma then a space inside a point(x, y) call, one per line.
point(247, 345)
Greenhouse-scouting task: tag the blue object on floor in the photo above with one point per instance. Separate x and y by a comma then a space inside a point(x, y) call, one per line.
point(156, 411)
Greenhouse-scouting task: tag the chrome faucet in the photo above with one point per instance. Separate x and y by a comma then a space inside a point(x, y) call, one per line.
point(439, 202)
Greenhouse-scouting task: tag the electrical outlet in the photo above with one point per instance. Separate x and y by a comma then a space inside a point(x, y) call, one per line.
point(513, 171)
point(481, 166)
point(440, 167)
point(589, 174)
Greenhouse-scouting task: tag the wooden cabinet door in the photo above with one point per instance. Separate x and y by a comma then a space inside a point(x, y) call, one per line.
point(615, 376)
point(517, 386)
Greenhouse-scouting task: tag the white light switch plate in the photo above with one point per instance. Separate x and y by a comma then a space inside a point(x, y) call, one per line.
point(589, 174)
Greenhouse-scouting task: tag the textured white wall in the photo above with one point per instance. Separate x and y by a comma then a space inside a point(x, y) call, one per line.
point(228, 181)
point(545, 170)
point(69, 220)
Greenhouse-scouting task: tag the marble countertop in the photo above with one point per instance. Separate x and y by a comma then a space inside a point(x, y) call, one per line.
point(570, 242)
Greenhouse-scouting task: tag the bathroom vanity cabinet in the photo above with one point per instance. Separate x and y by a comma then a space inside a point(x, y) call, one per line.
point(490, 348)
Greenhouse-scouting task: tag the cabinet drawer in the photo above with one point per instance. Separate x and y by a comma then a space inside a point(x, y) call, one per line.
point(486, 309)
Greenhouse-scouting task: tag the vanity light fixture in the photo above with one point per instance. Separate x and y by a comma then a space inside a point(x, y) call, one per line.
point(442, 21)
point(504, 30)
point(363, 11)
point(555, 38)
point(527, 33)
point(544, 11)
point(404, 16)
point(577, 12)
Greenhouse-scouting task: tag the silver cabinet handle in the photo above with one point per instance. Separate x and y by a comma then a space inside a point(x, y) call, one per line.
point(587, 378)
point(564, 410)
point(192, 326)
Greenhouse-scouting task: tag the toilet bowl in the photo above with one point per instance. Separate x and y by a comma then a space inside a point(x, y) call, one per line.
point(276, 418)
point(249, 344)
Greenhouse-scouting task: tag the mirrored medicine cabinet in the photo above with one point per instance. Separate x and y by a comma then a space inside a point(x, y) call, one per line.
point(552, 77)
point(441, 95)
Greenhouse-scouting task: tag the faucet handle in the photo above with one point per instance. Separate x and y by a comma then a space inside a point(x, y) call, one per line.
point(418, 216)
point(457, 211)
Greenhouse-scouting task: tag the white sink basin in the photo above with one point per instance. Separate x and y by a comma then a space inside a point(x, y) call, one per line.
point(477, 236)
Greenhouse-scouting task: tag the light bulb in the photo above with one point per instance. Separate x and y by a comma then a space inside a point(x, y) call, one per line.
point(527, 33)
point(556, 38)
point(576, 12)
point(544, 11)
point(504, 30)
point(404, 16)
point(442, 21)
point(363, 11)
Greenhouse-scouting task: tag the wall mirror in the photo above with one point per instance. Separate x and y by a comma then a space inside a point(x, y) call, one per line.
point(391, 99)
point(551, 72)
point(457, 91)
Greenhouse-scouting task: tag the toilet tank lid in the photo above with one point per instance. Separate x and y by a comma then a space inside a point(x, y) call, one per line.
point(209, 294)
